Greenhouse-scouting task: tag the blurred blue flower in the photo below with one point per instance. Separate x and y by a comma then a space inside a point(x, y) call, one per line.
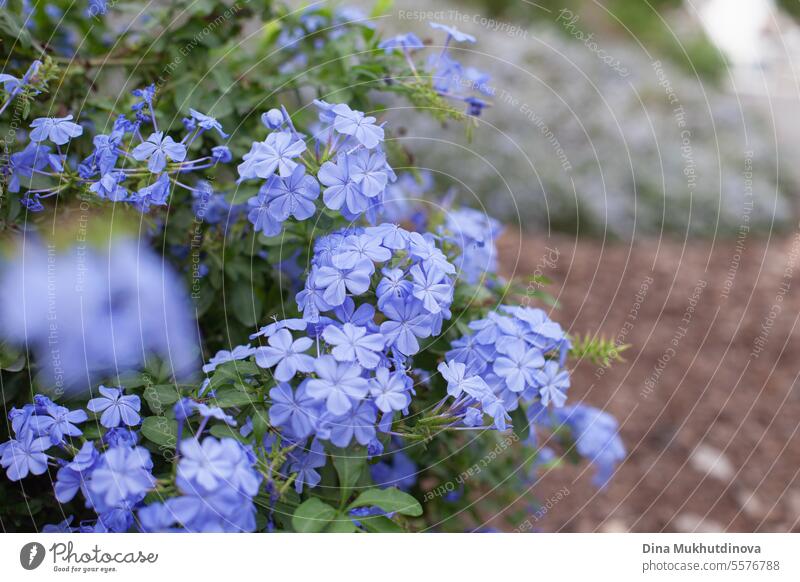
point(116, 409)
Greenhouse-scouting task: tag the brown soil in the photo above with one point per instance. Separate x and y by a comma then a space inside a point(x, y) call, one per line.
point(712, 433)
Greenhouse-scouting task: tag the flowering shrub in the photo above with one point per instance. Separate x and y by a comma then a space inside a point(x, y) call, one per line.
point(380, 337)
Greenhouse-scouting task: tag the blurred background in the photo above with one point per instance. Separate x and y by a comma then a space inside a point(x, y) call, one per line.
point(643, 157)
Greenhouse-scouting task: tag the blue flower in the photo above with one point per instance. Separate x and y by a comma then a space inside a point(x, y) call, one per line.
point(406, 42)
point(97, 7)
point(270, 329)
point(224, 510)
point(359, 247)
point(58, 130)
point(363, 316)
point(432, 288)
point(145, 96)
point(155, 194)
point(596, 438)
point(207, 122)
point(222, 356)
point(34, 158)
point(25, 454)
point(406, 322)
point(260, 216)
point(469, 351)
point(453, 32)
point(109, 187)
point(296, 412)
point(157, 518)
point(392, 287)
point(157, 149)
point(494, 407)
point(398, 471)
point(209, 465)
point(391, 236)
point(273, 119)
point(221, 154)
point(274, 153)
point(424, 249)
point(106, 151)
point(68, 482)
point(552, 383)
point(473, 417)
point(61, 527)
point(458, 381)
point(390, 390)
point(293, 195)
point(58, 423)
point(85, 458)
point(121, 437)
point(474, 232)
point(337, 282)
point(341, 188)
point(287, 354)
point(475, 105)
point(216, 412)
point(353, 343)
point(517, 365)
point(121, 478)
point(304, 464)
point(358, 125)
point(10, 82)
point(358, 422)
point(370, 171)
point(219, 466)
point(337, 384)
point(116, 408)
point(311, 300)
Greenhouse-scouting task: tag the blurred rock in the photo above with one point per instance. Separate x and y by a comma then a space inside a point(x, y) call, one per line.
point(573, 141)
point(711, 462)
point(692, 523)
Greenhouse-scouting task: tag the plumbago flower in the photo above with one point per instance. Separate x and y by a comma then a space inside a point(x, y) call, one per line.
point(119, 169)
point(451, 80)
point(395, 332)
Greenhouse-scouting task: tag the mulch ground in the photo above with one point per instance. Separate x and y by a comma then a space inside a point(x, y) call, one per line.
point(707, 397)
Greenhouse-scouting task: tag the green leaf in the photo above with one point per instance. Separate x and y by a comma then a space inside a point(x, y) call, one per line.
point(381, 7)
point(312, 516)
point(260, 424)
point(133, 380)
point(521, 424)
point(379, 524)
point(160, 396)
point(11, 359)
point(223, 431)
point(341, 524)
point(10, 26)
point(391, 500)
point(233, 396)
point(349, 466)
point(246, 304)
point(160, 430)
point(232, 373)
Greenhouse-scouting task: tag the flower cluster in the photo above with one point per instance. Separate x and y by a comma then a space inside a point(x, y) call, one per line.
point(216, 479)
point(124, 166)
point(217, 483)
point(13, 86)
point(113, 475)
point(451, 79)
point(394, 331)
point(84, 313)
point(360, 367)
point(352, 169)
